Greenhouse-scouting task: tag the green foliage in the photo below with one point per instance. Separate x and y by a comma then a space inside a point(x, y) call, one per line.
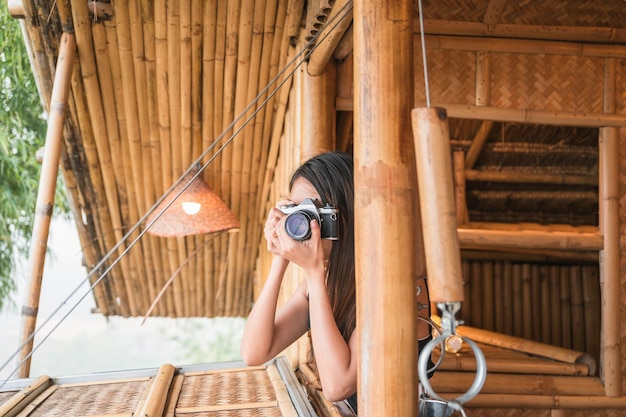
point(22, 133)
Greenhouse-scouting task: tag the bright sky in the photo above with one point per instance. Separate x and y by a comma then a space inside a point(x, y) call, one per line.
point(87, 343)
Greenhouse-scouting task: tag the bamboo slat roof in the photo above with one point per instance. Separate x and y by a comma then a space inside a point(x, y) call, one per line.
point(160, 86)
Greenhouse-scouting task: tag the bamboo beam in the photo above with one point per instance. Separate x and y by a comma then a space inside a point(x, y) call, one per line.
point(466, 111)
point(526, 346)
point(385, 183)
point(45, 198)
point(520, 33)
point(478, 142)
point(572, 402)
point(529, 178)
point(534, 239)
point(469, 43)
point(434, 174)
point(513, 366)
point(330, 36)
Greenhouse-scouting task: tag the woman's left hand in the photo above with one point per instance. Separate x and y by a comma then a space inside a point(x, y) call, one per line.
point(308, 254)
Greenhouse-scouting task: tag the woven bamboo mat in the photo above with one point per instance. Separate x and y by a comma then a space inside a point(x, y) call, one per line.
point(217, 390)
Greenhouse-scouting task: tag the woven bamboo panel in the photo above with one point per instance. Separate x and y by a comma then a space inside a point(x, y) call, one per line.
point(559, 13)
point(465, 10)
point(98, 399)
point(451, 75)
point(546, 82)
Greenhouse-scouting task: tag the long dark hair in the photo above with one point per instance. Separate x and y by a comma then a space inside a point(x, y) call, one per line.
point(332, 175)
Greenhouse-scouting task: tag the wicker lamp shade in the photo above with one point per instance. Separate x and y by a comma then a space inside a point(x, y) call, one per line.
point(198, 210)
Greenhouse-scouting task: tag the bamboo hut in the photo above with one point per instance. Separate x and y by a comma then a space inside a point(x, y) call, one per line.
point(142, 94)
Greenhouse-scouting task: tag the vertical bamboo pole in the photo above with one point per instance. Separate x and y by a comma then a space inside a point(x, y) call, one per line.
point(45, 197)
point(385, 194)
point(578, 322)
point(507, 297)
point(434, 174)
point(498, 296)
point(466, 311)
point(517, 300)
point(591, 300)
point(535, 302)
point(555, 306)
point(610, 229)
point(544, 315)
point(488, 295)
point(527, 324)
point(566, 312)
point(476, 291)
point(459, 188)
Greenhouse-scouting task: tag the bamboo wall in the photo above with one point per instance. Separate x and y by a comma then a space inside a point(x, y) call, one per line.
point(557, 304)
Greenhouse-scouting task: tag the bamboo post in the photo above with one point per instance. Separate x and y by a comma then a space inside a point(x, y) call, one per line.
point(45, 197)
point(154, 403)
point(458, 162)
point(498, 299)
point(434, 175)
point(318, 120)
point(610, 227)
point(555, 306)
point(385, 188)
point(544, 318)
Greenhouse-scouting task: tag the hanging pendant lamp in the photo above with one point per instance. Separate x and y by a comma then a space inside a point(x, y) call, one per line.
point(198, 210)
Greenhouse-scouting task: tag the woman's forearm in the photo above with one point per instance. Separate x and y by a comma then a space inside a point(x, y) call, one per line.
point(258, 335)
point(334, 358)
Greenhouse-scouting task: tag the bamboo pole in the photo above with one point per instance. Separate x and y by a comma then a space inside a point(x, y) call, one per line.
point(446, 382)
point(524, 46)
point(434, 174)
point(329, 37)
point(15, 404)
point(498, 296)
point(566, 311)
point(571, 402)
point(517, 303)
point(488, 296)
point(498, 114)
point(508, 365)
point(476, 292)
point(318, 118)
point(458, 161)
point(520, 33)
point(466, 308)
point(527, 346)
point(610, 227)
point(555, 306)
point(578, 319)
point(526, 318)
point(592, 309)
point(385, 186)
point(45, 198)
point(507, 299)
point(544, 318)
point(474, 238)
point(163, 120)
point(529, 178)
point(535, 302)
point(154, 403)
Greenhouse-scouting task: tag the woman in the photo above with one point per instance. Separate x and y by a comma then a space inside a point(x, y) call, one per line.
point(325, 301)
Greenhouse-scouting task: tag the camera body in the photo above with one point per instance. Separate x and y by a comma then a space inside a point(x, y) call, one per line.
point(299, 216)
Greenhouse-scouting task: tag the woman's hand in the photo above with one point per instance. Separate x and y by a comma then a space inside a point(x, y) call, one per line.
point(308, 254)
point(271, 226)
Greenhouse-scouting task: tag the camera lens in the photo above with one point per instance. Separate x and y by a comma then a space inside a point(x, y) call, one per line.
point(298, 225)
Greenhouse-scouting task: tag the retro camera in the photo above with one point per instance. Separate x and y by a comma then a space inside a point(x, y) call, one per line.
point(298, 221)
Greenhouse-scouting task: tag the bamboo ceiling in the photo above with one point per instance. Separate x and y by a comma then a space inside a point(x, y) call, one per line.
point(157, 82)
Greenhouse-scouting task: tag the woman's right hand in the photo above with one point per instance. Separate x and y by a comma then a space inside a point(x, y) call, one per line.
point(273, 220)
